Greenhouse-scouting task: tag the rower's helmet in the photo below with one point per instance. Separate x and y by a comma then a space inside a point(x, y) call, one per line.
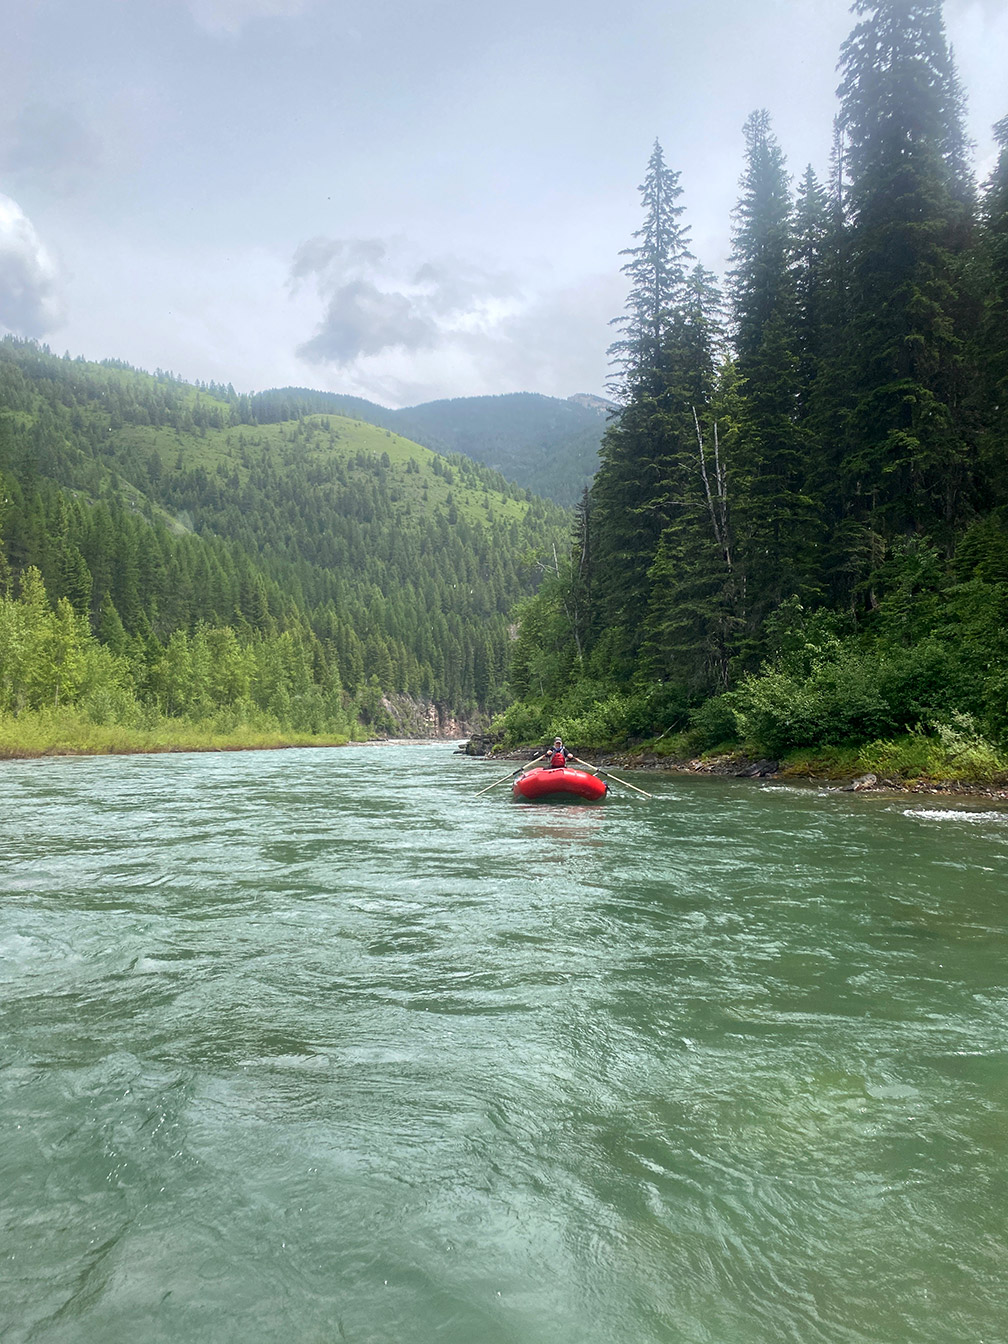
point(558, 741)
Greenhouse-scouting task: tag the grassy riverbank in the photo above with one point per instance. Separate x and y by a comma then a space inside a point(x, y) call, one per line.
point(68, 733)
point(957, 762)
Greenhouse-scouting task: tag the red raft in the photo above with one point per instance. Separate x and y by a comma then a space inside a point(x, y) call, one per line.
point(557, 786)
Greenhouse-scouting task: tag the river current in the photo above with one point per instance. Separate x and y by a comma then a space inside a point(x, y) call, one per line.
point(319, 1046)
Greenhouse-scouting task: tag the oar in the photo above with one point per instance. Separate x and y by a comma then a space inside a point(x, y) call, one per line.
point(599, 771)
point(510, 776)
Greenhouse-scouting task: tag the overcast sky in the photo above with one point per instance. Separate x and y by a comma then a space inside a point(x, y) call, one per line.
point(401, 201)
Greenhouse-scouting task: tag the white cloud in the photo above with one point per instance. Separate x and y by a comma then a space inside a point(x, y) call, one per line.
point(29, 279)
point(361, 320)
point(551, 339)
point(378, 299)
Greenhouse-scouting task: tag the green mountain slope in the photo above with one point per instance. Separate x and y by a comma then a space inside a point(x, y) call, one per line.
point(545, 444)
point(156, 507)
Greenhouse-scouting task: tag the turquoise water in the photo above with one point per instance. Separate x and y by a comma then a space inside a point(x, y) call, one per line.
point(318, 1046)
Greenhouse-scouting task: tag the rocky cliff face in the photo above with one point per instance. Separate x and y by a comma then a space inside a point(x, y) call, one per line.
point(424, 718)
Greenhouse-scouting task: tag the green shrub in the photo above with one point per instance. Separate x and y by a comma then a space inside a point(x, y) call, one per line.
point(520, 724)
point(776, 711)
point(852, 694)
point(713, 722)
point(968, 751)
point(956, 750)
point(587, 721)
point(911, 756)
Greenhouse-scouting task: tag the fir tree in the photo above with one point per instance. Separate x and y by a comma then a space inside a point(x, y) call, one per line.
point(632, 493)
point(991, 350)
point(907, 466)
point(692, 597)
point(774, 519)
point(656, 271)
point(811, 242)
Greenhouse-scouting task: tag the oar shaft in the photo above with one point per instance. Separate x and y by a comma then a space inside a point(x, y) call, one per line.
point(627, 785)
point(606, 774)
point(504, 777)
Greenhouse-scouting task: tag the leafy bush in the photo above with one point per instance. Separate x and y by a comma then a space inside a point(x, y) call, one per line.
point(713, 722)
point(776, 711)
point(591, 716)
point(996, 708)
point(521, 723)
point(110, 703)
point(591, 713)
point(972, 756)
point(851, 694)
point(658, 708)
point(955, 750)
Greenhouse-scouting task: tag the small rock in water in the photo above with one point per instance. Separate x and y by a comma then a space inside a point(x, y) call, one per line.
point(862, 782)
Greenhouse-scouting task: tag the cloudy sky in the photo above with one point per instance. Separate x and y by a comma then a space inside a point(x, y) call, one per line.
point(401, 201)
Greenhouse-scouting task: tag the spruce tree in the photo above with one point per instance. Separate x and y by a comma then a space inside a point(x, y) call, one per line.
point(630, 498)
point(811, 242)
point(991, 349)
point(656, 271)
point(907, 466)
point(693, 603)
point(761, 278)
point(774, 518)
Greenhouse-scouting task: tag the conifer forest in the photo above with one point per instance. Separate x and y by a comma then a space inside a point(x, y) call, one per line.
point(798, 533)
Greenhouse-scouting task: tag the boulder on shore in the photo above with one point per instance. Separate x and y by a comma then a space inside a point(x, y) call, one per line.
point(758, 770)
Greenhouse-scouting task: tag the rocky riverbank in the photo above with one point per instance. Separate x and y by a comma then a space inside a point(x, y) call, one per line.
point(740, 766)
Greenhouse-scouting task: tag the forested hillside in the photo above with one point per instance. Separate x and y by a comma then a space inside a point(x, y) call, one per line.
point(799, 531)
point(163, 551)
point(548, 445)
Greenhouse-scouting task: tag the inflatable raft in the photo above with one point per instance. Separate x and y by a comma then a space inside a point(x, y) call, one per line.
point(564, 785)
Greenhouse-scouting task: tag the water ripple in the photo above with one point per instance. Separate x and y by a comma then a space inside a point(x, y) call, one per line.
point(318, 1045)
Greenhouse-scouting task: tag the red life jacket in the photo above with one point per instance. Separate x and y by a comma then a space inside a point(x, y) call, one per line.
point(558, 760)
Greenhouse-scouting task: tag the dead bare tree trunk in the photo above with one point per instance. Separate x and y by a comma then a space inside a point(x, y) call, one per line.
point(717, 507)
point(717, 499)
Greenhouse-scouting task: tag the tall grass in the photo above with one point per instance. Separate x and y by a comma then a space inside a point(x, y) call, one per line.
point(68, 732)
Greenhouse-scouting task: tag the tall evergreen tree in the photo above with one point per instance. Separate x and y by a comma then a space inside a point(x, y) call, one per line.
point(693, 618)
point(631, 497)
point(991, 350)
point(774, 519)
point(907, 465)
point(761, 278)
point(811, 251)
point(692, 596)
point(656, 271)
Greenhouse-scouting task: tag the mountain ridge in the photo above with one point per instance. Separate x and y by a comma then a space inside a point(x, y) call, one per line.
point(548, 445)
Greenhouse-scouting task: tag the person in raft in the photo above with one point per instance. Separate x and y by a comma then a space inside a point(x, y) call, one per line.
point(557, 755)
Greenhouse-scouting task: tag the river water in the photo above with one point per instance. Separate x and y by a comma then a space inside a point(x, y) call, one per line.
point(318, 1046)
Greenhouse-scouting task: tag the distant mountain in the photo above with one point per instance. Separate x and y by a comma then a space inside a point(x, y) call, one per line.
point(160, 509)
point(550, 446)
point(598, 404)
point(546, 444)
